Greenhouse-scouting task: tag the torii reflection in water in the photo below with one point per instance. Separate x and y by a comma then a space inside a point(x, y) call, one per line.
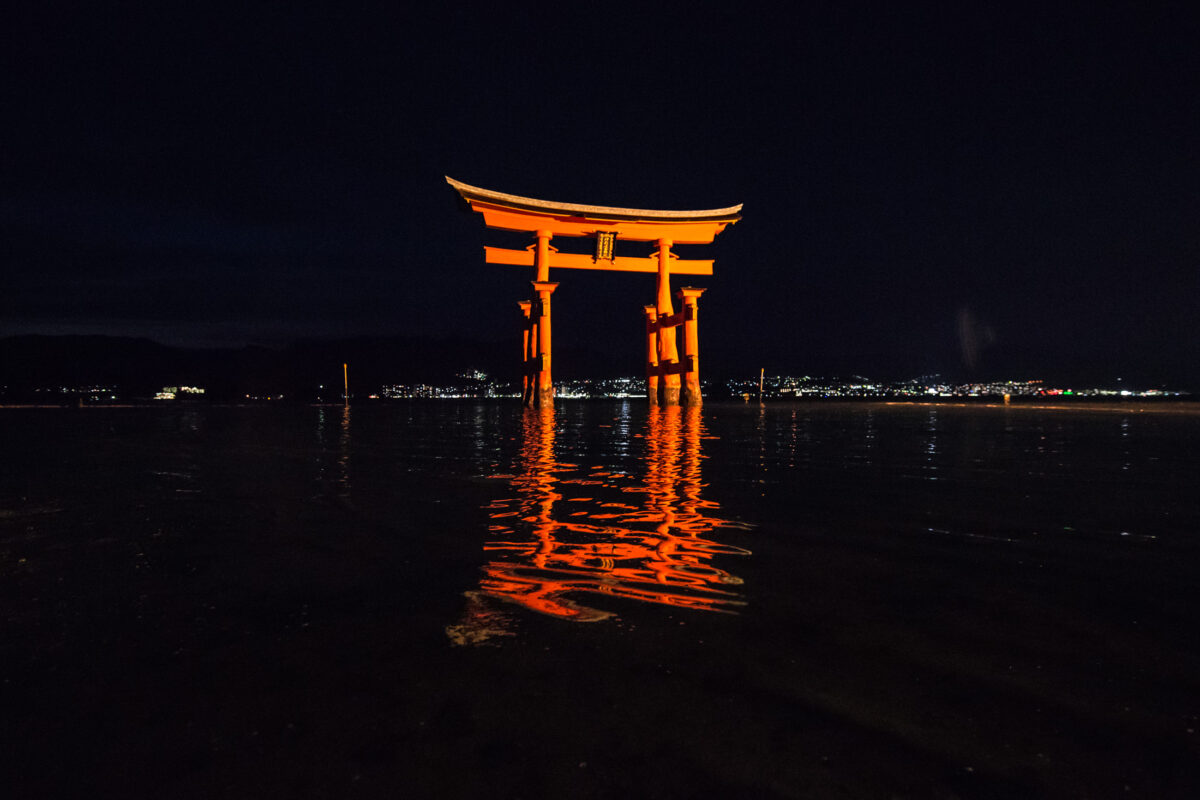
point(571, 531)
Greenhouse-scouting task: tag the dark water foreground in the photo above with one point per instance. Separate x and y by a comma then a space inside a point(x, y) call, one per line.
point(459, 600)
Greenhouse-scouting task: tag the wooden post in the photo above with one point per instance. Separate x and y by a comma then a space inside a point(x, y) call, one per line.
point(532, 361)
point(690, 395)
point(668, 354)
point(346, 383)
point(651, 354)
point(526, 355)
point(544, 390)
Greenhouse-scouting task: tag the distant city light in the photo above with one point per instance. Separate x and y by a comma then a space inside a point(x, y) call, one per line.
point(476, 385)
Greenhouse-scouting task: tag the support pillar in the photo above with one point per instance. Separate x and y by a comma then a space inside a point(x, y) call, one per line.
point(652, 354)
point(690, 394)
point(543, 390)
point(543, 256)
point(527, 354)
point(668, 354)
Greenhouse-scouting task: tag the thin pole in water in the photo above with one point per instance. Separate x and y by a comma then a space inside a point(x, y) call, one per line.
point(761, 371)
point(346, 383)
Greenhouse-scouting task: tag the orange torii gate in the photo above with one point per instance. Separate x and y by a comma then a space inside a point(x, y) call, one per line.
point(545, 219)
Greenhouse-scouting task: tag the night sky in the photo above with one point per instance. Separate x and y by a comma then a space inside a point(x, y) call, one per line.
point(1010, 193)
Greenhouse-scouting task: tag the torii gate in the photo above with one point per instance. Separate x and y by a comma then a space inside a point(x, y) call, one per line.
point(546, 219)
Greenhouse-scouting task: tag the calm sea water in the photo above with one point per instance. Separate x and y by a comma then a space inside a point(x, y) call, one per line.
point(602, 600)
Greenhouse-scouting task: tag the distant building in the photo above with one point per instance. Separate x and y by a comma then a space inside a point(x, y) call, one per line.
point(179, 393)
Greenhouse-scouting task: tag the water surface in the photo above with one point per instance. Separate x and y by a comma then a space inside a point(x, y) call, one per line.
point(457, 599)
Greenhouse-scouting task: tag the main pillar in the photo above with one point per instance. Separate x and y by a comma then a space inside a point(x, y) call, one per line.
point(668, 354)
point(690, 395)
point(541, 384)
point(543, 256)
point(543, 390)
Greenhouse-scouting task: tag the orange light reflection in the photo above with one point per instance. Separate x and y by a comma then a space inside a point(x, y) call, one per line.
point(549, 547)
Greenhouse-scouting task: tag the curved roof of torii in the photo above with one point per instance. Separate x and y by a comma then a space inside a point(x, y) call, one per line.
point(468, 192)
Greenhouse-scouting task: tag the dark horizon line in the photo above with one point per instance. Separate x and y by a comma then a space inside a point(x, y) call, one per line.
point(299, 343)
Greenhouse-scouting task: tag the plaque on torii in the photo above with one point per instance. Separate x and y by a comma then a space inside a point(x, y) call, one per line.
point(669, 380)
